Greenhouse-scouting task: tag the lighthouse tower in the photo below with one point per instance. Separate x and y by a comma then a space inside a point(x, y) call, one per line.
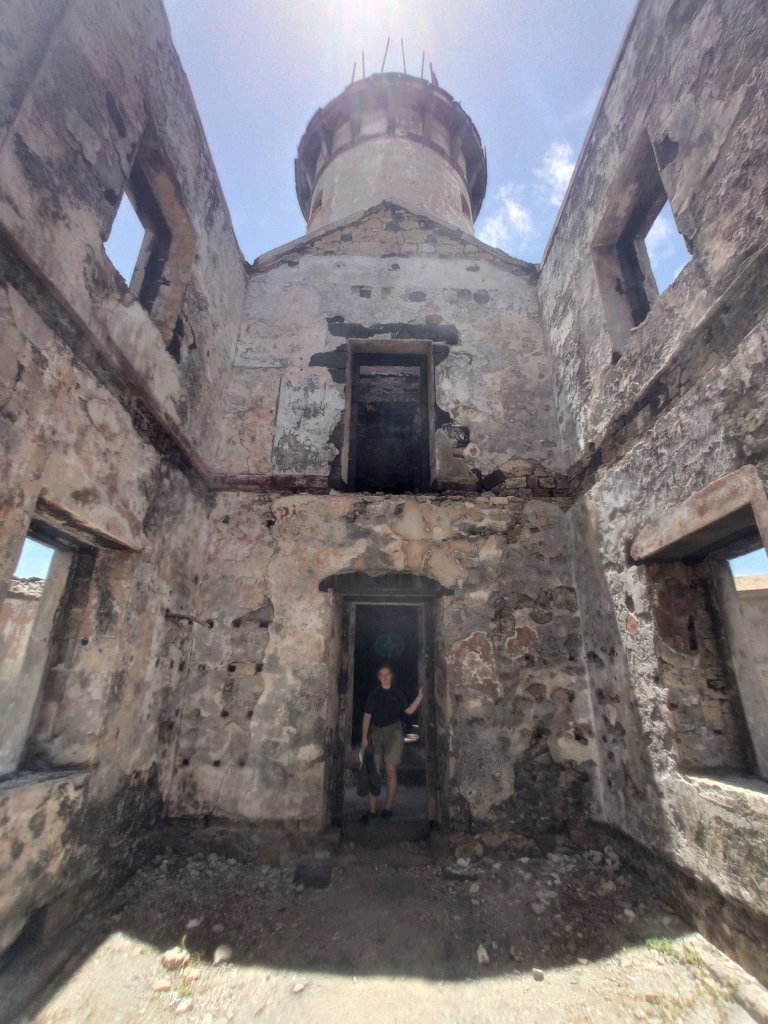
point(391, 137)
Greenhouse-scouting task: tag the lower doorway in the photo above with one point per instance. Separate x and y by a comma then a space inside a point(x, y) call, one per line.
point(386, 634)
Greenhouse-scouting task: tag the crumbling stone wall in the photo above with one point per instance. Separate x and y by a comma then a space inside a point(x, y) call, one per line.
point(103, 424)
point(194, 458)
point(258, 723)
point(259, 720)
point(681, 405)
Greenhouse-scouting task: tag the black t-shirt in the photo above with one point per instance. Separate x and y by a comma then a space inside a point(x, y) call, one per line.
point(385, 706)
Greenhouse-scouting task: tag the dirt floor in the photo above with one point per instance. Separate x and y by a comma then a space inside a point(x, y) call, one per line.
point(395, 935)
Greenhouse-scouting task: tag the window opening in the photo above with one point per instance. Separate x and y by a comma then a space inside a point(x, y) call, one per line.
point(27, 618)
point(124, 244)
point(152, 218)
point(667, 251)
point(755, 563)
point(389, 424)
point(34, 561)
point(743, 593)
point(637, 250)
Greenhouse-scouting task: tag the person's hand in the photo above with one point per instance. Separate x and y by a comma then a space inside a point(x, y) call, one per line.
point(364, 743)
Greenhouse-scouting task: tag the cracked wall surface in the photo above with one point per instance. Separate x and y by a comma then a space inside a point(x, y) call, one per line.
point(257, 729)
point(100, 427)
point(681, 406)
point(191, 449)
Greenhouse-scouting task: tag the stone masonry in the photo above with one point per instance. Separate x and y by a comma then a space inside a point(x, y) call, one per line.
point(187, 439)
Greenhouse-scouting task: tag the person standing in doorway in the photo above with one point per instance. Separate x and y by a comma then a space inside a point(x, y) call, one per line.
point(381, 727)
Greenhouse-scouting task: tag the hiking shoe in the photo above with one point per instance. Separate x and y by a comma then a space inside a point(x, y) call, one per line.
point(365, 818)
point(386, 814)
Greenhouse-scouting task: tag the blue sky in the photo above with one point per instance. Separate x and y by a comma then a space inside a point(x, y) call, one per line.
point(528, 72)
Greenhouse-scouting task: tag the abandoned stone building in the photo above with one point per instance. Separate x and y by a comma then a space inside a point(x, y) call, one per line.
point(385, 440)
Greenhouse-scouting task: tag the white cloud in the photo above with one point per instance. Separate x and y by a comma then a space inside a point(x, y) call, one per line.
point(512, 223)
point(658, 241)
point(556, 170)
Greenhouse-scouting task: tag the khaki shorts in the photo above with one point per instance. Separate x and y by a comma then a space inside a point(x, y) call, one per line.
point(387, 745)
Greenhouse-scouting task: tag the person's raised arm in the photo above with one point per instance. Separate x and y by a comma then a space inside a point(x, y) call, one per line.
point(413, 707)
point(366, 727)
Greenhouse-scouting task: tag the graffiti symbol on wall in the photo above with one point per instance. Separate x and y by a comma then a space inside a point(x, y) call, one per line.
point(389, 645)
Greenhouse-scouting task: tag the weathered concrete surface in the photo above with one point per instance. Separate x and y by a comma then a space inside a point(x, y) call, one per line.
point(393, 279)
point(258, 721)
point(710, 111)
point(677, 413)
point(102, 416)
point(191, 449)
point(65, 160)
point(391, 136)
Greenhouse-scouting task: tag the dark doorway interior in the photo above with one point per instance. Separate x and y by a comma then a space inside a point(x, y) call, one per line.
point(385, 634)
point(388, 634)
point(389, 442)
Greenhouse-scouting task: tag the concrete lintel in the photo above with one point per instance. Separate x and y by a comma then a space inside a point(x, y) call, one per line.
point(734, 500)
point(402, 585)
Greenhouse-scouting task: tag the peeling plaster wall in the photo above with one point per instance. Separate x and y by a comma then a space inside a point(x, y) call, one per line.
point(683, 405)
point(392, 275)
point(258, 719)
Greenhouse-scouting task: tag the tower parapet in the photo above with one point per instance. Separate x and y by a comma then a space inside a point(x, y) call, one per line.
point(391, 136)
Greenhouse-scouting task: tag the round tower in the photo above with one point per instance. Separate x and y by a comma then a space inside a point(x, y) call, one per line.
point(391, 136)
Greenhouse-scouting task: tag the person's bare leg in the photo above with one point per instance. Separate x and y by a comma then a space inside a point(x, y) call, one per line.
point(371, 804)
point(391, 786)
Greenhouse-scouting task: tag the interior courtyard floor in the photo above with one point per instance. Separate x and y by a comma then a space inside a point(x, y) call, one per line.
point(571, 937)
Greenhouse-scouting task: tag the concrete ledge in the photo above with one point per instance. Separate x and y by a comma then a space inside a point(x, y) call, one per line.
point(721, 511)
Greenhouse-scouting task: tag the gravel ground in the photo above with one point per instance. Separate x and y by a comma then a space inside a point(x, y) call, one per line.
point(567, 938)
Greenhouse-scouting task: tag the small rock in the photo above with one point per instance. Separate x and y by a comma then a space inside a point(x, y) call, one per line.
point(313, 874)
point(222, 955)
point(299, 987)
point(218, 929)
point(161, 986)
point(194, 922)
point(538, 974)
point(458, 873)
point(482, 955)
point(184, 1005)
point(474, 887)
point(173, 959)
point(583, 961)
point(538, 908)
point(629, 913)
